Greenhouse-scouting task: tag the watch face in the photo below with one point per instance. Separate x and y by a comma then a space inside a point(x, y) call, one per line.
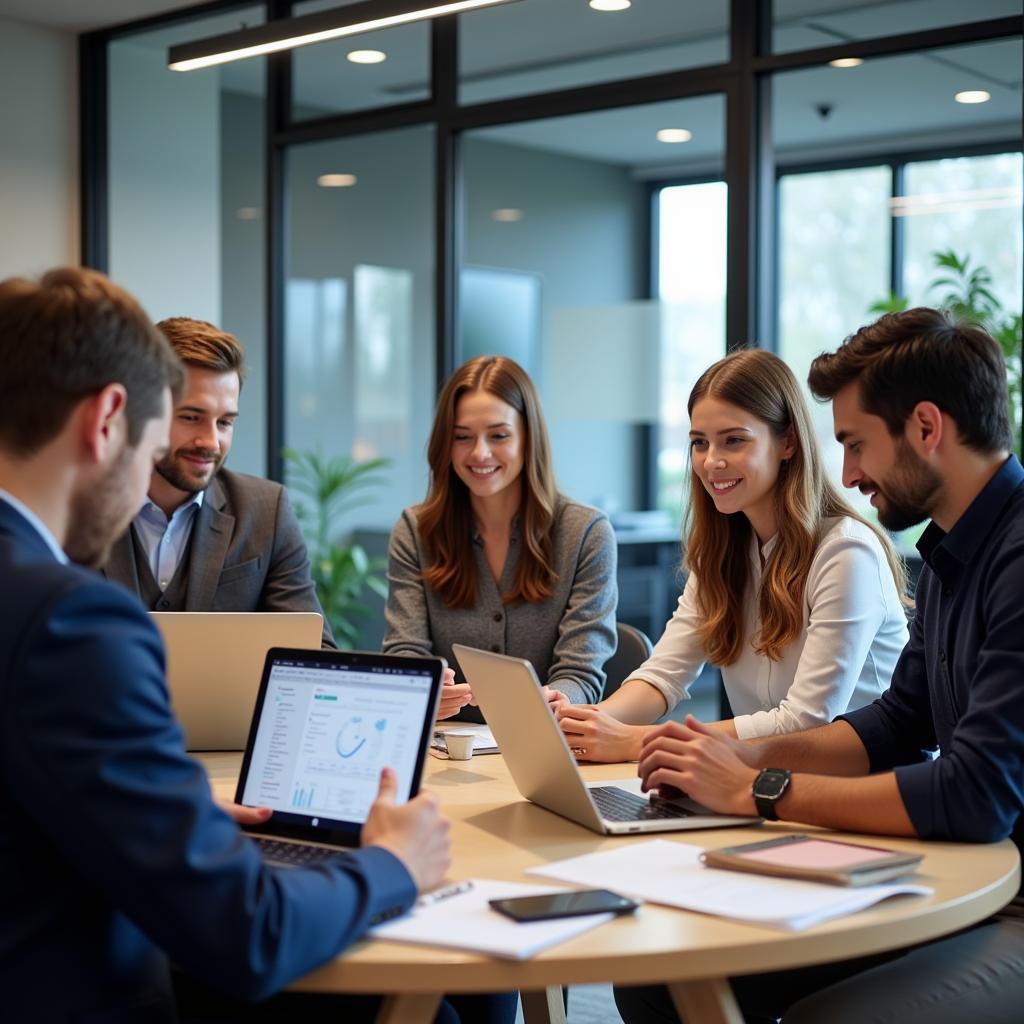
point(771, 783)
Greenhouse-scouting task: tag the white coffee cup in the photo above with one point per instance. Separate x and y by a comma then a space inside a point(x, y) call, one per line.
point(460, 744)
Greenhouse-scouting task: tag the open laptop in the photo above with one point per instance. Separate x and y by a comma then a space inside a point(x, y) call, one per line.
point(544, 769)
point(214, 660)
point(325, 724)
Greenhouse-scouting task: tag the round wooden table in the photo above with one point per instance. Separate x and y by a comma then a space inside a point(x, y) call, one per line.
point(497, 834)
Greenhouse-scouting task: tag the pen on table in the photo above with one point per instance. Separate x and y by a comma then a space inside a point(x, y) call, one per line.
point(442, 894)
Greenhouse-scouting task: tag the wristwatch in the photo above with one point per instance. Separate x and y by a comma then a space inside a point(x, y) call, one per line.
point(768, 787)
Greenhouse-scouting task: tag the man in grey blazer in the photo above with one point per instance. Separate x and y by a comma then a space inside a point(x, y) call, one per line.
point(207, 539)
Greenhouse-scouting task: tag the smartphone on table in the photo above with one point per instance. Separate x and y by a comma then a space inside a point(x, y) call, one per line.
point(564, 904)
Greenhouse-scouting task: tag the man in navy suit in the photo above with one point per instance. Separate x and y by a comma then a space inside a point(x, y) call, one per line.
point(116, 858)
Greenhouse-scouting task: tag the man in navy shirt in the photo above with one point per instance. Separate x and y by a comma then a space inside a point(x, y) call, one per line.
point(920, 406)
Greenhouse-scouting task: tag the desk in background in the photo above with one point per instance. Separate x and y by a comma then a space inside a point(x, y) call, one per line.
point(496, 834)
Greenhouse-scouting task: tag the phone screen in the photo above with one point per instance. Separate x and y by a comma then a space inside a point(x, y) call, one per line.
point(564, 904)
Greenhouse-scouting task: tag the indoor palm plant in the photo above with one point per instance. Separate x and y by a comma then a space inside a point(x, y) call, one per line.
point(325, 489)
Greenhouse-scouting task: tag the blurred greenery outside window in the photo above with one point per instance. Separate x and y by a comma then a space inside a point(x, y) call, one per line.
point(835, 230)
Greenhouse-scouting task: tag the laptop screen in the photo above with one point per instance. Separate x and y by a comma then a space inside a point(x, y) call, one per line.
point(325, 724)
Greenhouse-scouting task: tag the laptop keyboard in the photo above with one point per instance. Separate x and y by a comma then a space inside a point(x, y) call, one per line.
point(615, 804)
point(291, 855)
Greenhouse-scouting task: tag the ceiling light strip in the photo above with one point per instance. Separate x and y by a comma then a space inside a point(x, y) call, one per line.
point(286, 34)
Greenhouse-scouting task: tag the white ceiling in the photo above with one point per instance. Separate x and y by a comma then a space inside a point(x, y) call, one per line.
point(548, 44)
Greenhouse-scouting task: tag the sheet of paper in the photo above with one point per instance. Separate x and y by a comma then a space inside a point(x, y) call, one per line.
point(483, 739)
point(670, 873)
point(465, 921)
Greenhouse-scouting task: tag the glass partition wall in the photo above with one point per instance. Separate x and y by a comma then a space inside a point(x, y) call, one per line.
point(612, 197)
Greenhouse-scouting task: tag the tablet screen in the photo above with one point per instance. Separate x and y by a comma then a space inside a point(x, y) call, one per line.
point(325, 728)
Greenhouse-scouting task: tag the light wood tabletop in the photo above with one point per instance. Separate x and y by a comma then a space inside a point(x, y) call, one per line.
point(496, 834)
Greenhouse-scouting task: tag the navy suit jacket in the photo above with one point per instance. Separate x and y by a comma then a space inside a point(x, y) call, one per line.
point(113, 855)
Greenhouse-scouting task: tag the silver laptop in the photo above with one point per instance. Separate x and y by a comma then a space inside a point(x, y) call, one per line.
point(544, 769)
point(214, 664)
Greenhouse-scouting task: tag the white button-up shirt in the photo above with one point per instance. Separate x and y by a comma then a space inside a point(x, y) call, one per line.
point(854, 630)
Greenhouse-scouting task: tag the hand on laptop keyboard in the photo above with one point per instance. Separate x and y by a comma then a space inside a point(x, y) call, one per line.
point(417, 833)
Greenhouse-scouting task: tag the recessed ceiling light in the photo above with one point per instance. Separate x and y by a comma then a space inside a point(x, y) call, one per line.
point(610, 5)
point(674, 135)
point(973, 96)
point(507, 215)
point(846, 62)
point(367, 56)
point(336, 180)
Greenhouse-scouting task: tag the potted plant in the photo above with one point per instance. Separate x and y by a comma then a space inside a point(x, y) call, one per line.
point(325, 489)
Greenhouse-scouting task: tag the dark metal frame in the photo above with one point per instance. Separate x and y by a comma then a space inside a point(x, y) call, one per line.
point(744, 80)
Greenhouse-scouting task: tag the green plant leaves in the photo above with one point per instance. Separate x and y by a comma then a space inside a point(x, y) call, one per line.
point(325, 489)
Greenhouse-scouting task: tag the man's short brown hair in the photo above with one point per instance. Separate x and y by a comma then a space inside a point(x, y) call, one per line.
point(199, 343)
point(924, 355)
point(66, 337)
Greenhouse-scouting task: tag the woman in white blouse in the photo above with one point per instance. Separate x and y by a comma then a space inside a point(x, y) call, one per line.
point(795, 596)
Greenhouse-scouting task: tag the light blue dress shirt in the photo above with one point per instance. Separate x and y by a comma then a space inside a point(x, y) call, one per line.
point(164, 540)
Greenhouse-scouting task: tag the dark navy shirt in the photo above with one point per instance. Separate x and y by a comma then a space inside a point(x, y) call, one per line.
point(959, 684)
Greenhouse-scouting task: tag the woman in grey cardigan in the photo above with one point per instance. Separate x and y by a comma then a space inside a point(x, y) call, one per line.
point(495, 557)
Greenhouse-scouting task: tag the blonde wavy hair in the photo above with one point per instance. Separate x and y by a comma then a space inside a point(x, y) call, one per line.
point(717, 546)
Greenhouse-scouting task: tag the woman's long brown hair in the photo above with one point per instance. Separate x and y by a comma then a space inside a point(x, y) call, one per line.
point(446, 518)
point(717, 546)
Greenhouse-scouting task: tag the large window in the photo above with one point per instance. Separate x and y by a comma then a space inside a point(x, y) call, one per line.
point(594, 192)
point(359, 307)
point(186, 212)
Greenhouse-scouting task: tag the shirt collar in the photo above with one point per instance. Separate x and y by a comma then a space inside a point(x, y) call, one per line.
point(34, 521)
point(948, 553)
point(196, 500)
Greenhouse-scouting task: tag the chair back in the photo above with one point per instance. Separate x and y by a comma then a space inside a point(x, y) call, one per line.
point(633, 650)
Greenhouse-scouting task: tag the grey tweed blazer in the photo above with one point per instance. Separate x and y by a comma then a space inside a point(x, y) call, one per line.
point(568, 638)
point(246, 554)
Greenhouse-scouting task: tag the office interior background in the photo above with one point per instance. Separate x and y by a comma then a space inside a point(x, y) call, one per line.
point(612, 198)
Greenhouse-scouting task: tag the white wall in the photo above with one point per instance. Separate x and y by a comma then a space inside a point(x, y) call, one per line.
point(38, 149)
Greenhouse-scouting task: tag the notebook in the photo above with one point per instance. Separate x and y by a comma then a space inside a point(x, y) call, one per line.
point(325, 724)
point(544, 769)
point(214, 660)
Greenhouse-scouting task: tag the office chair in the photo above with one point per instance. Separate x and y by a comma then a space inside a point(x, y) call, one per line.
point(633, 650)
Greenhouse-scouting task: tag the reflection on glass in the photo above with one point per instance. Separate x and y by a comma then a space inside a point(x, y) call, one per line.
point(691, 285)
point(374, 69)
point(185, 165)
point(359, 345)
point(808, 24)
point(833, 265)
point(971, 205)
point(557, 276)
point(541, 45)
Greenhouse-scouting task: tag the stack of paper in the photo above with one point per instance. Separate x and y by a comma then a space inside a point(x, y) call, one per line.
point(465, 921)
point(671, 873)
